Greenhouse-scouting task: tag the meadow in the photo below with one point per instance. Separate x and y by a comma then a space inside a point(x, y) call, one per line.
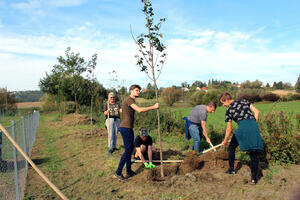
point(74, 158)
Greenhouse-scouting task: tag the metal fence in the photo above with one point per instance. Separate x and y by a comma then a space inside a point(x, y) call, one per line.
point(13, 166)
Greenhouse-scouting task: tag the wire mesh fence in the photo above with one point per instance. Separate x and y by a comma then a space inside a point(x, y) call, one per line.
point(13, 166)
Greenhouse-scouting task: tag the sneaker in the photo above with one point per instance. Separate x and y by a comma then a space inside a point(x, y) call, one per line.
point(130, 174)
point(230, 171)
point(120, 177)
point(253, 182)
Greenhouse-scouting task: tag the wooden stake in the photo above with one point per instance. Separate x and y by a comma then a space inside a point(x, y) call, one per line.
point(108, 124)
point(32, 164)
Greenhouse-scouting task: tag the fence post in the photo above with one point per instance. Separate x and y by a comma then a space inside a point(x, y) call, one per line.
point(25, 141)
point(15, 161)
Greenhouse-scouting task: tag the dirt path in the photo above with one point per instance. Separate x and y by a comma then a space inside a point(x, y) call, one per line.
point(74, 158)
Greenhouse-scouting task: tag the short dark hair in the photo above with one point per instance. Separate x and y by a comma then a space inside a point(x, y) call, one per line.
point(225, 96)
point(132, 87)
point(212, 104)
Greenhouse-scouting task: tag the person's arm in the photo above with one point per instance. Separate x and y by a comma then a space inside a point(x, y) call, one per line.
point(228, 132)
point(255, 111)
point(105, 110)
point(203, 123)
point(144, 109)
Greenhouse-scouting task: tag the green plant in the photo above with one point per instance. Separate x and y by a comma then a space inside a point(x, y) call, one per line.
point(277, 131)
point(170, 95)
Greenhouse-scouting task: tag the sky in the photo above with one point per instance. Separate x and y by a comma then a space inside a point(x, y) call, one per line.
point(222, 40)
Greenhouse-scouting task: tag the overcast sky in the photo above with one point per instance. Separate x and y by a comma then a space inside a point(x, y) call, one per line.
point(225, 40)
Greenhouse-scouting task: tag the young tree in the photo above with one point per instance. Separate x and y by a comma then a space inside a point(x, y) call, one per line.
point(151, 57)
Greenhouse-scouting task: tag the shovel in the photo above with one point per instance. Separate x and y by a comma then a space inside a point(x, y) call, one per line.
point(207, 150)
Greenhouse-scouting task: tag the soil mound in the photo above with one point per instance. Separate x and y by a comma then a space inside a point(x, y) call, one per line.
point(211, 160)
point(74, 119)
point(85, 134)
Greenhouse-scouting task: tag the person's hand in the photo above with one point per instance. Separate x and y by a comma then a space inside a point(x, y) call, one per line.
point(208, 141)
point(224, 142)
point(156, 106)
point(152, 165)
point(147, 166)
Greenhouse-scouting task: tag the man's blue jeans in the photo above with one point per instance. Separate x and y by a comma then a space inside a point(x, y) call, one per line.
point(195, 132)
point(128, 139)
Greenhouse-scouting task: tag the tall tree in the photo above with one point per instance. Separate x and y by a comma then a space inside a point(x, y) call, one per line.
point(151, 56)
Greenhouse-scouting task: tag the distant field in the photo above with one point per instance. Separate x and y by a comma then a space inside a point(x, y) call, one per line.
point(217, 118)
point(29, 104)
point(284, 92)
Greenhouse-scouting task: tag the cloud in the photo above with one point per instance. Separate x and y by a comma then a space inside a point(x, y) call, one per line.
point(34, 4)
point(203, 55)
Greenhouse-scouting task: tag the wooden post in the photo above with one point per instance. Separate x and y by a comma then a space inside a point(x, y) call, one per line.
point(108, 124)
point(32, 164)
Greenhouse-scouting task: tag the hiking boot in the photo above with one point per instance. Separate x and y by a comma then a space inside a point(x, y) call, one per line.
point(120, 177)
point(115, 149)
point(130, 174)
point(230, 171)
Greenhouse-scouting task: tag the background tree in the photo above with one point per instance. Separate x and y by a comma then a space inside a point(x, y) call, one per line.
point(297, 85)
point(170, 95)
point(151, 56)
point(91, 76)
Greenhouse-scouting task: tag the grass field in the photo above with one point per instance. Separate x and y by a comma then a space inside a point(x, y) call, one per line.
point(76, 162)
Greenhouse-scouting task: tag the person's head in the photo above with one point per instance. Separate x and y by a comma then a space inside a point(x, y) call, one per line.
point(211, 107)
point(143, 133)
point(226, 99)
point(111, 98)
point(134, 90)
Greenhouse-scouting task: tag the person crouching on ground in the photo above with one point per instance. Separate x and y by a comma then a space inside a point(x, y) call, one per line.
point(247, 135)
point(112, 121)
point(143, 148)
point(126, 128)
point(196, 124)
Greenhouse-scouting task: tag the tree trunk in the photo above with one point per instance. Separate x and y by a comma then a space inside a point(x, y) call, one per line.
point(158, 126)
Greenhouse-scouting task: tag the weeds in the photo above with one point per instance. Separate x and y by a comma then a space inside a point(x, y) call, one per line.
point(277, 131)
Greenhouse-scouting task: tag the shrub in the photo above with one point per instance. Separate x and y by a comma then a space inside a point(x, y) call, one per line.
point(252, 98)
point(271, 97)
point(170, 95)
point(49, 103)
point(170, 122)
point(277, 131)
point(202, 97)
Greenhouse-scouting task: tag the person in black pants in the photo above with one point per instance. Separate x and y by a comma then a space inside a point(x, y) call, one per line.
point(247, 135)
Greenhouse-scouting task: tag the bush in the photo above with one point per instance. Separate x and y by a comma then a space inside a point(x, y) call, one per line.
point(277, 131)
point(49, 103)
point(170, 95)
point(251, 98)
point(202, 97)
point(271, 97)
point(170, 122)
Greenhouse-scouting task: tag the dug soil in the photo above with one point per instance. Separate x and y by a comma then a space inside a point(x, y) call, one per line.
point(76, 161)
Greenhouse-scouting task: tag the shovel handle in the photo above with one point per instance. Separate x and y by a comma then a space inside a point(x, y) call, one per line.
point(207, 150)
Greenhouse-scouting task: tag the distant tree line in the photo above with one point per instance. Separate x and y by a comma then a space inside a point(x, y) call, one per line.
point(29, 96)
